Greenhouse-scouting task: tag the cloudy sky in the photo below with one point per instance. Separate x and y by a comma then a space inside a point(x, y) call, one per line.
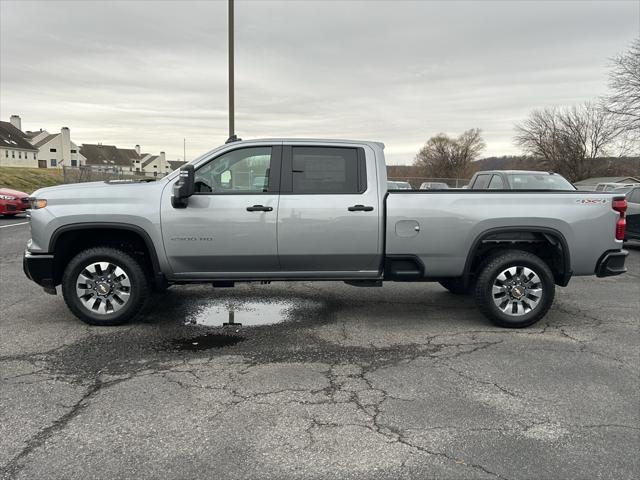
point(154, 72)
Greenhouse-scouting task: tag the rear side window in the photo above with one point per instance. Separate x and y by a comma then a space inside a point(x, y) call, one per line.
point(542, 181)
point(327, 170)
point(482, 182)
point(496, 183)
point(634, 196)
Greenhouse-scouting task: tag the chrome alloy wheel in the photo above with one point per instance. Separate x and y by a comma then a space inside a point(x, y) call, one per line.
point(103, 287)
point(517, 290)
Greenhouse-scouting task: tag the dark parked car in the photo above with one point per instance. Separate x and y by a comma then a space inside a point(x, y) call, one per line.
point(633, 211)
point(519, 180)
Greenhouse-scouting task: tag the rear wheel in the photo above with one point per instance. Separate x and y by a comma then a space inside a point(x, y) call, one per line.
point(515, 289)
point(456, 286)
point(104, 286)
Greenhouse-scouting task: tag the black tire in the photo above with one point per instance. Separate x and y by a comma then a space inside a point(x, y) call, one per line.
point(456, 286)
point(488, 276)
point(138, 290)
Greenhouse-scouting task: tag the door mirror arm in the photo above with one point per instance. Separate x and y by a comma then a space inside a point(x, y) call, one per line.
point(184, 187)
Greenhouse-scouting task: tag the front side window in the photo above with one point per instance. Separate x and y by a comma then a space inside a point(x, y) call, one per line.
point(482, 181)
point(634, 196)
point(496, 183)
point(325, 170)
point(245, 170)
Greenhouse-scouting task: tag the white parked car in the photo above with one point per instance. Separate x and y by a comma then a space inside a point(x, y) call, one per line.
point(434, 186)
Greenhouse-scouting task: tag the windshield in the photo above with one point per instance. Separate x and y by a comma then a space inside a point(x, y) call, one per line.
point(542, 181)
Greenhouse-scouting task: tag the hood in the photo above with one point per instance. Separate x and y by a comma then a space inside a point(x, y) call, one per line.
point(89, 189)
point(14, 193)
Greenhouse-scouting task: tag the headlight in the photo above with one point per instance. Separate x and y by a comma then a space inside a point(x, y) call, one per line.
point(7, 197)
point(36, 203)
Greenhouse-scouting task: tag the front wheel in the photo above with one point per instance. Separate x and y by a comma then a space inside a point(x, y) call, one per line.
point(515, 289)
point(104, 286)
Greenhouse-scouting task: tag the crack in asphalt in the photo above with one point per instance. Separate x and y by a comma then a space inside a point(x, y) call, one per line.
point(13, 467)
point(120, 353)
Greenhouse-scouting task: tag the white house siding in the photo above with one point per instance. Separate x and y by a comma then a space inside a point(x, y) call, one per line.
point(14, 157)
point(60, 151)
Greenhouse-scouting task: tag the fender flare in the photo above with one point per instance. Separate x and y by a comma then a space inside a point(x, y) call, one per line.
point(155, 264)
point(563, 280)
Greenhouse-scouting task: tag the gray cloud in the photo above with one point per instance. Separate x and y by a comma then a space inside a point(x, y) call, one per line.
point(153, 72)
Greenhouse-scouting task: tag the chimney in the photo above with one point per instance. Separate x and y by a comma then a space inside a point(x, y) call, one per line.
point(65, 143)
point(162, 162)
point(138, 149)
point(16, 122)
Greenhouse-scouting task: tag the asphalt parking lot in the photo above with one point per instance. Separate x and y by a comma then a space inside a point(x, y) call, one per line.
point(404, 381)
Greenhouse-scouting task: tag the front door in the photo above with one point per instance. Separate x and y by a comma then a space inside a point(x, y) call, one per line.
point(329, 213)
point(228, 228)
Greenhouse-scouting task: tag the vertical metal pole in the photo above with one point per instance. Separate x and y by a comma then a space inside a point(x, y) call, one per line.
point(184, 149)
point(231, 74)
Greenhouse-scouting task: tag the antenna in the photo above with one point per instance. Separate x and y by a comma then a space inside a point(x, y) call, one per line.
point(232, 134)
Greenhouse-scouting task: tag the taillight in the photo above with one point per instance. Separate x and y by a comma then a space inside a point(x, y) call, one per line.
point(620, 206)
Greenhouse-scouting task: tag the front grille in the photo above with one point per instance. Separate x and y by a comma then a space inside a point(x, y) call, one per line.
point(11, 208)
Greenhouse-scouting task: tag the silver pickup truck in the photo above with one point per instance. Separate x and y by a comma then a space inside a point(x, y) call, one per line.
point(313, 210)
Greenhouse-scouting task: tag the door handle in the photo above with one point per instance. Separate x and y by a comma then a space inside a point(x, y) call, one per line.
point(259, 208)
point(360, 208)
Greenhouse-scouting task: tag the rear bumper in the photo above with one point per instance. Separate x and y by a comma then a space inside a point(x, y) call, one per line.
point(39, 268)
point(612, 263)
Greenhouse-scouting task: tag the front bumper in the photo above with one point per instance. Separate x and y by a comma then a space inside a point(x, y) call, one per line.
point(612, 263)
point(13, 206)
point(39, 268)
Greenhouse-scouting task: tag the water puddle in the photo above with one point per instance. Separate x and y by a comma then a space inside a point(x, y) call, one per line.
point(235, 314)
point(205, 342)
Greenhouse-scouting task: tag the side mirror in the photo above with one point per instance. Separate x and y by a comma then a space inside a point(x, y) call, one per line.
point(184, 187)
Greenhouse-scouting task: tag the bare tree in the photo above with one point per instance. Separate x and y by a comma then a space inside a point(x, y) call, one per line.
point(568, 139)
point(446, 157)
point(624, 81)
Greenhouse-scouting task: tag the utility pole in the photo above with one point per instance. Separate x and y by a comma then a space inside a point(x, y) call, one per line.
point(184, 149)
point(232, 134)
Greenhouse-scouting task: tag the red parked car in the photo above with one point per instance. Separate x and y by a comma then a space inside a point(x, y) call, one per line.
point(12, 202)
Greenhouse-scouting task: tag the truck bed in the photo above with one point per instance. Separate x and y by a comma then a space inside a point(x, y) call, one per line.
point(442, 227)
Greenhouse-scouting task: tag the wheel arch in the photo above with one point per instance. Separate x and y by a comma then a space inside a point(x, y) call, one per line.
point(524, 238)
point(63, 244)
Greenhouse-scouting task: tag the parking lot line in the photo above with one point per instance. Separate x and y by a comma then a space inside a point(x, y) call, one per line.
point(14, 225)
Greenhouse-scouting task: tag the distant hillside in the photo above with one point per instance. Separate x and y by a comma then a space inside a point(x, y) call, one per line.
point(29, 179)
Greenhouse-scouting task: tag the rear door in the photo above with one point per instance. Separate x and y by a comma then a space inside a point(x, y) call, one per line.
point(329, 212)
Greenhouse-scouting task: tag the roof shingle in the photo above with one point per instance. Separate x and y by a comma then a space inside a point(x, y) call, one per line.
point(11, 137)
